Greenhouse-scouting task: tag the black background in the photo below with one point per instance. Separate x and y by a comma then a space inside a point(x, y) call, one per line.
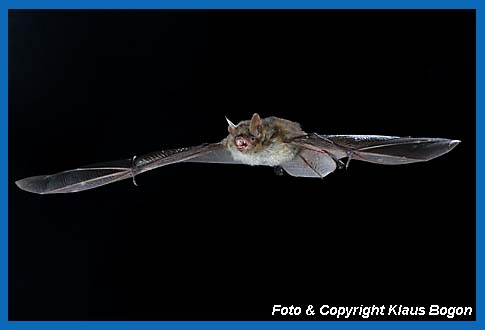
point(226, 242)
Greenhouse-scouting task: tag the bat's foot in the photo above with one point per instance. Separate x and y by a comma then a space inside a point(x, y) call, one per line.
point(340, 164)
point(278, 170)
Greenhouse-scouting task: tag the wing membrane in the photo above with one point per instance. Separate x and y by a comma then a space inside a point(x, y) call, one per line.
point(387, 150)
point(76, 180)
point(310, 164)
point(96, 175)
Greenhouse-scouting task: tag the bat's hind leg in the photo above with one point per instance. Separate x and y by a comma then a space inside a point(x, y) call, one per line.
point(340, 164)
point(349, 158)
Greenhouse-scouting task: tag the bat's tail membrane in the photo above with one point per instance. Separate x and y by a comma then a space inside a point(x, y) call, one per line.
point(396, 151)
point(78, 179)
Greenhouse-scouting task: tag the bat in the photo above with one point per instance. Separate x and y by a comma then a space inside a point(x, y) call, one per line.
point(271, 141)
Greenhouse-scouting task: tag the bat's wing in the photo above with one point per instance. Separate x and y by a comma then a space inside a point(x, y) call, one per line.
point(217, 155)
point(92, 176)
point(387, 150)
point(311, 164)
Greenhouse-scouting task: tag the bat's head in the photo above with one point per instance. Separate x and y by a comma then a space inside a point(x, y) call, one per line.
point(247, 134)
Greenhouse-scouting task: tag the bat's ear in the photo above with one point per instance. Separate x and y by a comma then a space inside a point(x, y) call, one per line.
point(256, 126)
point(231, 128)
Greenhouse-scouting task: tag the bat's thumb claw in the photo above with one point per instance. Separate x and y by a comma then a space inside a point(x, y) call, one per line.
point(133, 174)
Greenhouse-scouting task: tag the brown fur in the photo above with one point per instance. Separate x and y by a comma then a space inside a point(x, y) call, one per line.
point(271, 136)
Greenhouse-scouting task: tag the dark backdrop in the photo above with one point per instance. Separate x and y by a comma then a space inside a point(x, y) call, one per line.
point(200, 241)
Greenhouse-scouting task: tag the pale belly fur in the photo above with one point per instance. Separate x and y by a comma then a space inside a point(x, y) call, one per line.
point(273, 155)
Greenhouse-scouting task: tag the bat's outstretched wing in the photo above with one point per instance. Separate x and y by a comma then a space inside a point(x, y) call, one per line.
point(311, 163)
point(322, 150)
point(92, 176)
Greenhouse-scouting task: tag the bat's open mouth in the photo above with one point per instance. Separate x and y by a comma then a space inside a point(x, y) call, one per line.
point(242, 144)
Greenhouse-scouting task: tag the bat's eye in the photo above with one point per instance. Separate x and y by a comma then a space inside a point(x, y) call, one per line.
point(252, 139)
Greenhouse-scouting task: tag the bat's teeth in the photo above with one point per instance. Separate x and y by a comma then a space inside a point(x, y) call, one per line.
point(453, 143)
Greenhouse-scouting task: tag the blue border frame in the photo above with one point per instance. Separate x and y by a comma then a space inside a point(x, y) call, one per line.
point(231, 4)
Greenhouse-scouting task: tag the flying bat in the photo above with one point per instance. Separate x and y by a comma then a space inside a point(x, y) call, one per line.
point(271, 141)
